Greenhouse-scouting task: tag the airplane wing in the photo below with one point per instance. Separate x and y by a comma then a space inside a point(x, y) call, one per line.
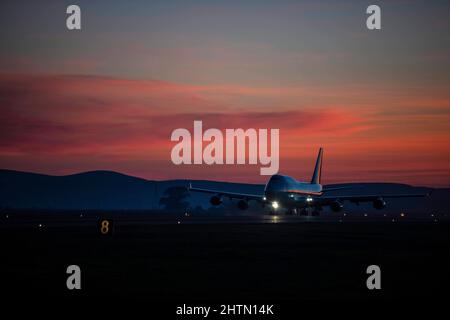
point(326, 189)
point(368, 197)
point(231, 195)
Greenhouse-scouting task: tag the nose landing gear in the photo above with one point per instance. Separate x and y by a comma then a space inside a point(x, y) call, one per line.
point(315, 213)
point(310, 211)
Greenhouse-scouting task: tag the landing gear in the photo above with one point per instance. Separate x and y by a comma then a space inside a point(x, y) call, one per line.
point(315, 213)
point(304, 212)
point(310, 212)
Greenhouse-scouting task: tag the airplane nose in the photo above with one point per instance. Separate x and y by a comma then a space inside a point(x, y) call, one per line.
point(270, 194)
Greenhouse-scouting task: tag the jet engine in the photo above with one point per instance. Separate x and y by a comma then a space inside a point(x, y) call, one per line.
point(242, 204)
point(379, 203)
point(215, 200)
point(336, 206)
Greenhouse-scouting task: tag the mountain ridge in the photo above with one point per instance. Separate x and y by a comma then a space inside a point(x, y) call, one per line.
point(111, 190)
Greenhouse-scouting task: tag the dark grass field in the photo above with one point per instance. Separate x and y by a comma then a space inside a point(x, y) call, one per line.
point(229, 262)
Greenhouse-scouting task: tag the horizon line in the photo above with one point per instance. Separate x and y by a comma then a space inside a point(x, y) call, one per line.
point(218, 181)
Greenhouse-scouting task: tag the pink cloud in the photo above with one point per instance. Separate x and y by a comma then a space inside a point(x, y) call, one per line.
point(65, 124)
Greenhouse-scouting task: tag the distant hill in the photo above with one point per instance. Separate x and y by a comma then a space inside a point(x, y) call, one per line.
point(107, 190)
point(98, 190)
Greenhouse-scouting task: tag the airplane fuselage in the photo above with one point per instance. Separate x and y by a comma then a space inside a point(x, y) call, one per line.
point(288, 192)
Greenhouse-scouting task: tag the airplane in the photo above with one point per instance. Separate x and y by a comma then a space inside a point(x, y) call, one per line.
point(282, 191)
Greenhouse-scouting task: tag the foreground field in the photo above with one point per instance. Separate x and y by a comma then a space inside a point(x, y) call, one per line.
point(239, 262)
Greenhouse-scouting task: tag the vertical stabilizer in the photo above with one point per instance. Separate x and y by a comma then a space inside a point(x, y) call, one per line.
point(317, 169)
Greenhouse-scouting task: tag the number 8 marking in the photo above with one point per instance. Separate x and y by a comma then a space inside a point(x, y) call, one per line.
point(104, 227)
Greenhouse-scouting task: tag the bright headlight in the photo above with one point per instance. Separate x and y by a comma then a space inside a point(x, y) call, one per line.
point(275, 205)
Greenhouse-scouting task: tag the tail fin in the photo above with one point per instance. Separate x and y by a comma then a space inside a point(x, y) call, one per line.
point(318, 168)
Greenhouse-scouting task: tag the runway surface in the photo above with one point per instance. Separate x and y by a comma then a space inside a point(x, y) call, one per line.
point(165, 261)
point(78, 219)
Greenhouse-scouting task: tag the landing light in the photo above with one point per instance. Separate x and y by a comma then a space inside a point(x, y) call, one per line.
point(309, 199)
point(275, 205)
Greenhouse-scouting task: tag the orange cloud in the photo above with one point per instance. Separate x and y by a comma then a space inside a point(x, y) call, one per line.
point(65, 124)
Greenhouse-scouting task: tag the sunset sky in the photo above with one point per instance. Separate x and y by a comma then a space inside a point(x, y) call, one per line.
point(108, 97)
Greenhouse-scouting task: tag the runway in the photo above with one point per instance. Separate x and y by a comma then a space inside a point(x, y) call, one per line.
point(176, 259)
point(81, 219)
